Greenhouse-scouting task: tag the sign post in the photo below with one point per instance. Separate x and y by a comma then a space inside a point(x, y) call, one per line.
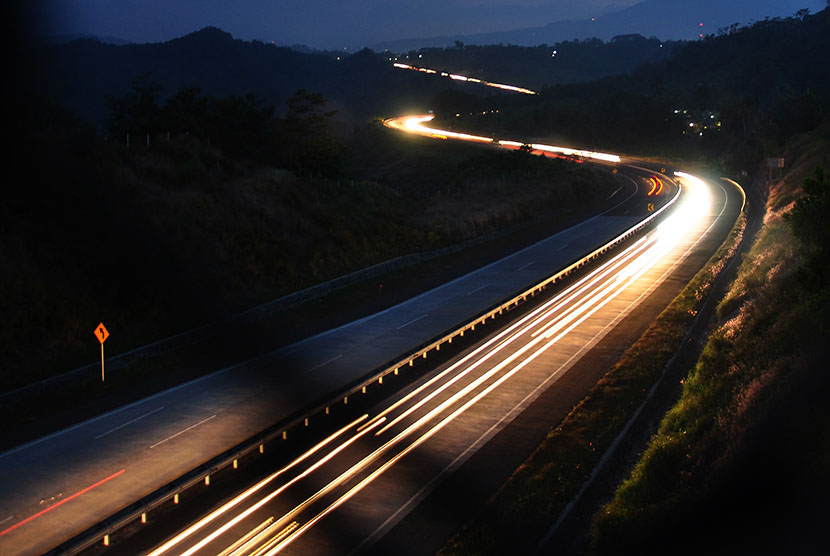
point(775, 162)
point(102, 335)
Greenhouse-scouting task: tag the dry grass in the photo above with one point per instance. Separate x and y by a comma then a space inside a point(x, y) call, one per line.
point(766, 331)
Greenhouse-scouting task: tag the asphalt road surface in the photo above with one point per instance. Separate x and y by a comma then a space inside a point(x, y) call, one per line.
point(373, 484)
point(360, 485)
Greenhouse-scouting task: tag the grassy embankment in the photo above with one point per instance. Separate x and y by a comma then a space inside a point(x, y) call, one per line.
point(520, 513)
point(740, 463)
point(156, 241)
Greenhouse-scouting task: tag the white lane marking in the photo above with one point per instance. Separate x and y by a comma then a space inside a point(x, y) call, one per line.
point(120, 409)
point(589, 232)
point(525, 266)
point(335, 358)
point(130, 422)
point(172, 436)
point(410, 322)
point(615, 192)
point(5, 520)
point(478, 289)
point(560, 248)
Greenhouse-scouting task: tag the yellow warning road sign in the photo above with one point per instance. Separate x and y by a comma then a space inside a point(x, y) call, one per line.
point(101, 333)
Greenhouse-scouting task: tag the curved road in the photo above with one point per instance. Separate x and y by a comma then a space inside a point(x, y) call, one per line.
point(360, 485)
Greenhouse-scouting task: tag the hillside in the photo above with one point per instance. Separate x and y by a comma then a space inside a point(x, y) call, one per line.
point(82, 74)
point(727, 99)
point(156, 240)
point(543, 66)
point(740, 462)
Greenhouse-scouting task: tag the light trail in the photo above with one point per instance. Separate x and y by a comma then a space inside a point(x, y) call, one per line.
point(485, 369)
point(458, 77)
point(558, 302)
point(61, 503)
point(447, 420)
point(597, 288)
point(656, 186)
point(639, 260)
point(207, 540)
point(415, 125)
point(242, 497)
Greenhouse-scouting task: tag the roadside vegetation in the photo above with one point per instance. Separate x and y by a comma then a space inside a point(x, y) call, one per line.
point(746, 415)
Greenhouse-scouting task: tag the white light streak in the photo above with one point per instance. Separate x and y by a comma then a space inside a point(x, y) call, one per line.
point(227, 506)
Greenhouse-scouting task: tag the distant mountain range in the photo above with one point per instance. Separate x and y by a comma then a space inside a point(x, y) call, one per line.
point(61, 39)
point(83, 73)
point(665, 19)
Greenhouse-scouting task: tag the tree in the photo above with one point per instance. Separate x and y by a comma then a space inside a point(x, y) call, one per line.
point(186, 112)
point(242, 125)
point(137, 112)
point(305, 138)
point(811, 227)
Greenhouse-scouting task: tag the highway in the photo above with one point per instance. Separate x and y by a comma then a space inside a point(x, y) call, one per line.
point(57, 486)
point(345, 492)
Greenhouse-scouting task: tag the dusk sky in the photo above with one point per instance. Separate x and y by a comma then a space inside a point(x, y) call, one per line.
point(334, 23)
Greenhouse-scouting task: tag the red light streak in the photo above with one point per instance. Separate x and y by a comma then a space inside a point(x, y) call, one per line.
point(64, 501)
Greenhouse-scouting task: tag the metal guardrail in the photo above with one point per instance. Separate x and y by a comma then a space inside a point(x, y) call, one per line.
point(201, 474)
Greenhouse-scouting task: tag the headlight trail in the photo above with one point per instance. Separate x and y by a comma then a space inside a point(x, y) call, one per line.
point(458, 77)
point(249, 492)
point(551, 321)
point(436, 403)
point(558, 302)
point(599, 289)
point(432, 431)
point(415, 125)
